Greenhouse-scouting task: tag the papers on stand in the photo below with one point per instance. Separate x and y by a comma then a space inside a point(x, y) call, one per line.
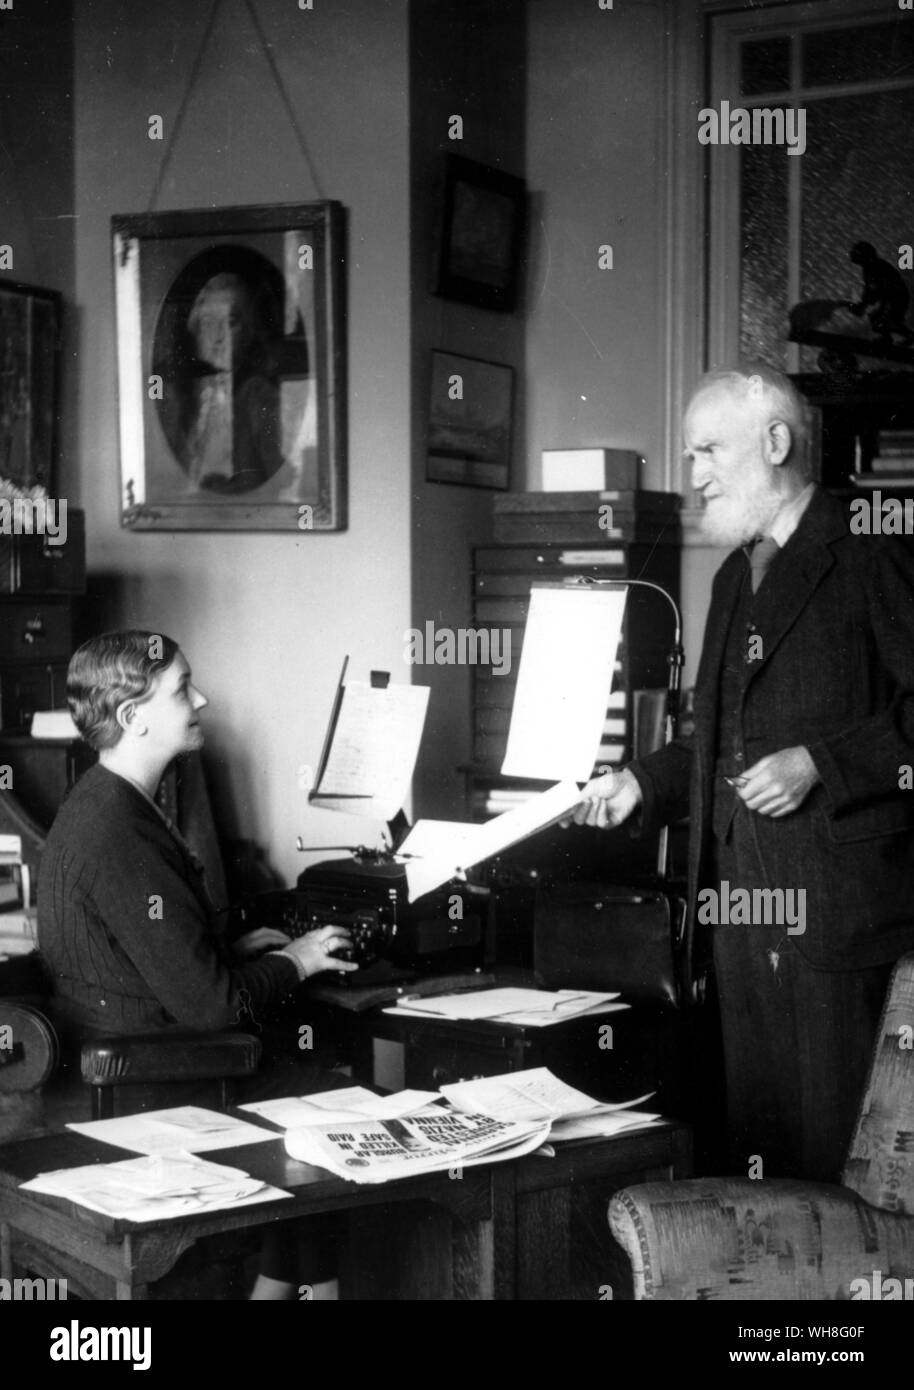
point(375, 742)
point(437, 850)
point(155, 1188)
point(336, 1107)
point(185, 1128)
point(537, 1008)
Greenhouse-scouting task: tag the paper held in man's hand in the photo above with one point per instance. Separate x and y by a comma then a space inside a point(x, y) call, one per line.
point(443, 849)
point(571, 639)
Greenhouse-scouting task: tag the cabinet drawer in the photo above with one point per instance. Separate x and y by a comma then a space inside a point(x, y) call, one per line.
point(36, 632)
point(30, 564)
point(23, 689)
point(443, 1064)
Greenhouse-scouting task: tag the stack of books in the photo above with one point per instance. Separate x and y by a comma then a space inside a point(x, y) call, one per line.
point(892, 465)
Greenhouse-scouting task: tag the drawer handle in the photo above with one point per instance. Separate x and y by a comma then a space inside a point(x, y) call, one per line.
point(34, 628)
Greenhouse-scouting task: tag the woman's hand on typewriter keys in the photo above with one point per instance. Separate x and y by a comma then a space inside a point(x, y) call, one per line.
point(314, 952)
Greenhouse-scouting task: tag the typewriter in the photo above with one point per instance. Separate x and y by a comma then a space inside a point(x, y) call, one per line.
point(444, 932)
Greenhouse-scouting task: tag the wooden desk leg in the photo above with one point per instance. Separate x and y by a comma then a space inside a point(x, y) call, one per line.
point(6, 1251)
point(544, 1244)
point(504, 1232)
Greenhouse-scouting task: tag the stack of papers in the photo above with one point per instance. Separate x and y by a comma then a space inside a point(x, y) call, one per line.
point(433, 1141)
point(537, 1008)
point(155, 1188)
point(18, 932)
point(539, 1095)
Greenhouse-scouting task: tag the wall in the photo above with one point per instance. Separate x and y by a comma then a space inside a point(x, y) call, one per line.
point(466, 58)
point(611, 159)
point(595, 151)
point(265, 618)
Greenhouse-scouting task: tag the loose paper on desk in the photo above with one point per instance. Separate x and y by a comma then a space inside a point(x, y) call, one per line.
point(373, 751)
point(339, 1107)
point(535, 1094)
point(442, 848)
point(570, 643)
point(186, 1127)
point(510, 1001)
point(155, 1189)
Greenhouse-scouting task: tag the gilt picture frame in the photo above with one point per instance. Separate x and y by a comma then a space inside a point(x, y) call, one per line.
point(232, 368)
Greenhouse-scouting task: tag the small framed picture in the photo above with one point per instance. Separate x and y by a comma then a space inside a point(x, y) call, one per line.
point(469, 436)
point(231, 369)
point(29, 385)
point(482, 227)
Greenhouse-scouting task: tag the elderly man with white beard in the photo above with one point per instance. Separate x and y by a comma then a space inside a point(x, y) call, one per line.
point(793, 779)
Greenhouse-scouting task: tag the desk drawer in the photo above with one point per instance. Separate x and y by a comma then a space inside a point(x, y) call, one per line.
point(36, 632)
point(443, 1064)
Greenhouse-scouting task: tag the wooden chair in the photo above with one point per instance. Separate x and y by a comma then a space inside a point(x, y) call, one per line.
point(734, 1238)
point(32, 1047)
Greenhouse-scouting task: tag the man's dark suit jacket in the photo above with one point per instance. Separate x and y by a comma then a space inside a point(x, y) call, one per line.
point(836, 616)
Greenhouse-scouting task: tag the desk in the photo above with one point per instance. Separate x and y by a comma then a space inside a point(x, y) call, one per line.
point(511, 1226)
point(646, 1052)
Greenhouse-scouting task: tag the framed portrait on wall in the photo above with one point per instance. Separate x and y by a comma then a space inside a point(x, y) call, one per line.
point(470, 412)
point(29, 385)
point(231, 368)
point(482, 227)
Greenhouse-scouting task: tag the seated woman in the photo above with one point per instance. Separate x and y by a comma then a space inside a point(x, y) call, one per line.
point(125, 925)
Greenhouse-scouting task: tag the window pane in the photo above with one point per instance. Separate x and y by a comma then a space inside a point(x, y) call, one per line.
point(765, 66)
point(871, 52)
point(763, 289)
point(857, 186)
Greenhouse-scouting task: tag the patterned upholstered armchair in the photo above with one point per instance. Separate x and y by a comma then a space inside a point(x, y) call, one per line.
point(734, 1238)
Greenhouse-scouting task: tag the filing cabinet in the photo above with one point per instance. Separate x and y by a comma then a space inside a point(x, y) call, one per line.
point(38, 583)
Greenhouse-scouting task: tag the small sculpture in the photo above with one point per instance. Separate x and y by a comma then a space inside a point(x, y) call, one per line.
point(884, 297)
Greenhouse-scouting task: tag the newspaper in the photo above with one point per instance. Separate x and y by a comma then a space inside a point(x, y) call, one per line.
point(370, 1151)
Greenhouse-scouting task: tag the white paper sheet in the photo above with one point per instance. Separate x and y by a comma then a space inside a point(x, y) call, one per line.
point(443, 845)
point(338, 1107)
point(507, 1001)
point(185, 1127)
point(600, 1126)
point(374, 749)
point(563, 685)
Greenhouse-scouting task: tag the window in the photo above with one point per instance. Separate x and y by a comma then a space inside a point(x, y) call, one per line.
point(782, 226)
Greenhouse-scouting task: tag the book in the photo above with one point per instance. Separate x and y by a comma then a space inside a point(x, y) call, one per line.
point(893, 463)
point(878, 480)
